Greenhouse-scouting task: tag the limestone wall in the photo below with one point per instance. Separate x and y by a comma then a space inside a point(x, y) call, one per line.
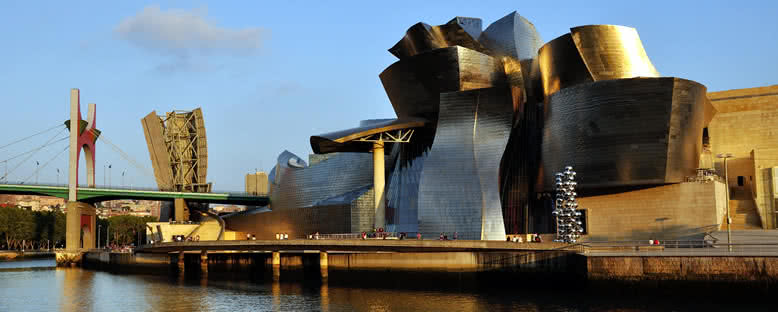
point(664, 212)
point(745, 126)
point(683, 268)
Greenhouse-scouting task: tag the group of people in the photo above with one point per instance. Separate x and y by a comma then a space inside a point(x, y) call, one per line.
point(443, 236)
point(183, 238)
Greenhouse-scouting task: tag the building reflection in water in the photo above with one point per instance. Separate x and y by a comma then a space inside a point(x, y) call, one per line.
point(76, 290)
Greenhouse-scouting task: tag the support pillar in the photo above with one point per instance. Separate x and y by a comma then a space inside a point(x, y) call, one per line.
point(378, 184)
point(80, 217)
point(204, 261)
point(276, 262)
point(181, 213)
point(181, 262)
point(323, 265)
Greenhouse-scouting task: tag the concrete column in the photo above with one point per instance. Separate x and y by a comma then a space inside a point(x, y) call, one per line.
point(181, 262)
point(378, 183)
point(73, 226)
point(323, 265)
point(181, 213)
point(276, 262)
point(204, 261)
point(75, 210)
point(75, 115)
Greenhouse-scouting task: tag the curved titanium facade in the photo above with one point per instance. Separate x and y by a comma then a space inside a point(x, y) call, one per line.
point(459, 187)
point(515, 40)
point(612, 52)
point(514, 36)
point(561, 66)
point(414, 84)
point(421, 38)
point(625, 132)
point(332, 196)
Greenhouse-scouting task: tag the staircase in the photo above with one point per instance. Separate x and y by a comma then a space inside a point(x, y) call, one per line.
point(744, 215)
point(208, 230)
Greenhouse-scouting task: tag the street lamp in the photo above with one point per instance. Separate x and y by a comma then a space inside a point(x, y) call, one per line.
point(123, 171)
point(726, 156)
point(109, 175)
point(57, 176)
point(99, 226)
point(37, 165)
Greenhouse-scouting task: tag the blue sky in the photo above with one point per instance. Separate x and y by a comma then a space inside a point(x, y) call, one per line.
point(270, 74)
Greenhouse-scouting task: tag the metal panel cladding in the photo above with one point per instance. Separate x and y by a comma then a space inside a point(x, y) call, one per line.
point(415, 83)
point(296, 185)
point(625, 132)
point(514, 36)
point(612, 52)
point(421, 38)
point(561, 66)
point(459, 187)
point(593, 53)
point(516, 42)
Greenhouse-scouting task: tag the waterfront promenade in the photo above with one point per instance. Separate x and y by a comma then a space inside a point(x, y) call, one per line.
point(368, 245)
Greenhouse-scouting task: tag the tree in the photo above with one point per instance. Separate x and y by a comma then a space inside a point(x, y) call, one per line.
point(125, 229)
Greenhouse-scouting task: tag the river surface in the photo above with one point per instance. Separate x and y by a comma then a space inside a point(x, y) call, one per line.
point(37, 285)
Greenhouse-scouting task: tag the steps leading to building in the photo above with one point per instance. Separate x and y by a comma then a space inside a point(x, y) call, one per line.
point(208, 230)
point(744, 215)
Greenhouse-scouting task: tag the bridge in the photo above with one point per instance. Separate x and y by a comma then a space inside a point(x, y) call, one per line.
point(95, 195)
point(81, 212)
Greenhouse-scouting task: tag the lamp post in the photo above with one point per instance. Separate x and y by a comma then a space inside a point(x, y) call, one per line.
point(109, 175)
point(99, 226)
point(37, 165)
point(726, 156)
point(123, 171)
point(57, 176)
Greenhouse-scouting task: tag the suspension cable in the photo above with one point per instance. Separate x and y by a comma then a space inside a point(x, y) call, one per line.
point(32, 153)
point(126, 157)
point(46, 163)
point(28, 137)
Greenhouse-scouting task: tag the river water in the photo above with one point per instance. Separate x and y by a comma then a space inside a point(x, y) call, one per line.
point(37, 285)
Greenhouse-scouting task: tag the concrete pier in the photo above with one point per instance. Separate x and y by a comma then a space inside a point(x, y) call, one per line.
point(276, 263)
point(204, 261)
point(324, 265)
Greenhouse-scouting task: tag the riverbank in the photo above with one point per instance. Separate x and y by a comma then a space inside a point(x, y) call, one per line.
point(6, 255)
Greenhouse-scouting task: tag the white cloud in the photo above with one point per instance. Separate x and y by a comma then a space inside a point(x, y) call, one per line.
point(184, 33)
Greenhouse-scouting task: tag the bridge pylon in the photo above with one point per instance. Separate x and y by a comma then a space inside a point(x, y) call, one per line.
point(81, 217)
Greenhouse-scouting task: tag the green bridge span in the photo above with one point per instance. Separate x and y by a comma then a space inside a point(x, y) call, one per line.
point(94, 195)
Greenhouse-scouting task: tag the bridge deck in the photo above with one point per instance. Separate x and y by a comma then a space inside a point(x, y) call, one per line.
point(369, 245)
point(92, 195)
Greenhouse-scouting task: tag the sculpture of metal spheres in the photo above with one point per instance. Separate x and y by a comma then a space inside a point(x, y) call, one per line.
point(568, 223)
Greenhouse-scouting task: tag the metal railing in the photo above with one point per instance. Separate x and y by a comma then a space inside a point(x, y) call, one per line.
point(345, 236)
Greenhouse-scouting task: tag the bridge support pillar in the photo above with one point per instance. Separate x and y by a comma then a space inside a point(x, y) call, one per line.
point(204, 261)
point(81, 218)
point(323, 265)
point(181, 213)
point(276, 262)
